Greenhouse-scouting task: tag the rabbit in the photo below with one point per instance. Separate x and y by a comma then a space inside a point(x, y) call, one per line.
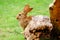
point(23, 18)
point(31, 24)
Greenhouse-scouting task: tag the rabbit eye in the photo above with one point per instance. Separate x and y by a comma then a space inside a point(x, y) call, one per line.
point(19, 14)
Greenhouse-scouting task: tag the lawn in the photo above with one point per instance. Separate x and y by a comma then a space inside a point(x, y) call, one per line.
point(9, 26)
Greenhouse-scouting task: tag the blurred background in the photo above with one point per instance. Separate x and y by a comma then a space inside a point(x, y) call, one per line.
point(9, 25)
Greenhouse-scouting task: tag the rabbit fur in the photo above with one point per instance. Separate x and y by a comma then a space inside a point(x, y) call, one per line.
point(31, 24)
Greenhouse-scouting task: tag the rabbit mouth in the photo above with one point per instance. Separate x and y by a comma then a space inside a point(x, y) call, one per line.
point(17, 17)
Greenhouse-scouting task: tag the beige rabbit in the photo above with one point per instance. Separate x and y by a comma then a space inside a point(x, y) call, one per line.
point(22, 16)
point(31, 24)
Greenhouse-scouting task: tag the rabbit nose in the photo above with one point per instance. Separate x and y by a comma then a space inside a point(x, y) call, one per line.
point(17, 17)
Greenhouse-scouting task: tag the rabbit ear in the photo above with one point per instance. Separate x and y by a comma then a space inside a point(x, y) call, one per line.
point(27, 8)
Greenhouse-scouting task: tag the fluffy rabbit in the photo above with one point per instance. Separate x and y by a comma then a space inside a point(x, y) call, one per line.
point(34, 26)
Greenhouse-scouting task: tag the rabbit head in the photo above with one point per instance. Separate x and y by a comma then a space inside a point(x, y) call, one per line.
point(23, 14)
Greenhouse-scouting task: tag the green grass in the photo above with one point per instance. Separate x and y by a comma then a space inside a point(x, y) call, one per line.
point(9, 26)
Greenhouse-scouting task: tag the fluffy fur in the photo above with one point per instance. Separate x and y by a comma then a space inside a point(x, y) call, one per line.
point(34, 26)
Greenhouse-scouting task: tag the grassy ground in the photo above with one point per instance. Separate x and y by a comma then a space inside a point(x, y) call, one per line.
point(9, 27)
